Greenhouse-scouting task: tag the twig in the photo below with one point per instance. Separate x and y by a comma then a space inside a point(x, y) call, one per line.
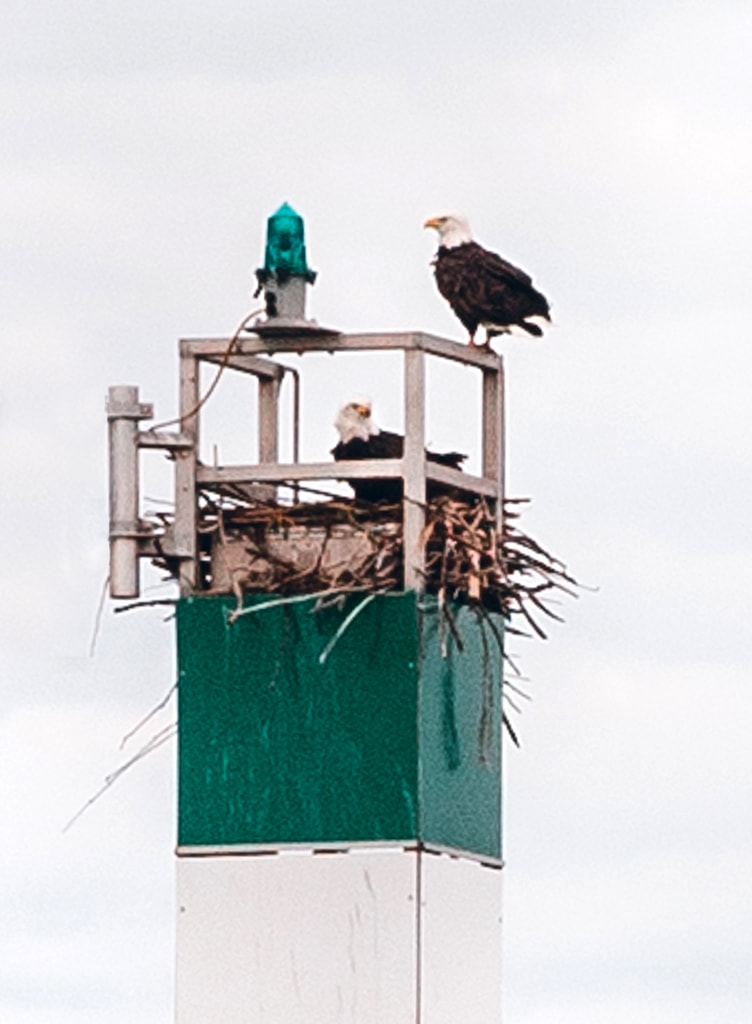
point(510, 730)
point(515, 689)
point(345, 624)
point(275, 602)
point(156, 741)
point(144, 604)
point(157, 708)
point(452, 623)
point(98, 616)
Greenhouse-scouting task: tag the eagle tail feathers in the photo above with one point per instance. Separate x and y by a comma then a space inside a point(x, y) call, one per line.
point(531, 328)
point(452, 459)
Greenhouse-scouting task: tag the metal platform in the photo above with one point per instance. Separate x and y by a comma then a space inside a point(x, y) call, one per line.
point(131, 538)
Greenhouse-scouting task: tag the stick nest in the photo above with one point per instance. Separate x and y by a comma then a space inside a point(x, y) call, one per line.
point(340, 546)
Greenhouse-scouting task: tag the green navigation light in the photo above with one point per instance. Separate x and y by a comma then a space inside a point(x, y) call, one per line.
point(285, 254)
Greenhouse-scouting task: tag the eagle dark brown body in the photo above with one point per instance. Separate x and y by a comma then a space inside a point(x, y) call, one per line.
point(388, 445)
point(482, 288)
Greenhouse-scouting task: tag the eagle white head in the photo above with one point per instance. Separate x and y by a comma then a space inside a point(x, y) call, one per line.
point(453, 229)
point(354, 420)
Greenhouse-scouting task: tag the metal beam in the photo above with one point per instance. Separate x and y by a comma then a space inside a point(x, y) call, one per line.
point(461, 480)
point(290, 472)
point(163, 440)
point(360, 470)
point(255, 365)
point(251, 344)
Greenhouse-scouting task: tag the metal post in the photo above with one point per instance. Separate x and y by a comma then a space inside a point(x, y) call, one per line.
point(268, 420)
point(123, 413)
point(493, 432)
point(185, 473)
point(414, 515)
point(268, 429)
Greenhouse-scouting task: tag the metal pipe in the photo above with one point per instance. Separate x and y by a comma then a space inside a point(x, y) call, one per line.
point(185, 525)
point(123, 413)
point(295, 413)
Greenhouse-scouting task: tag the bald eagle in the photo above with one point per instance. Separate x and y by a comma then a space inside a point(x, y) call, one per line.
point(360, 438)
point(483, 289)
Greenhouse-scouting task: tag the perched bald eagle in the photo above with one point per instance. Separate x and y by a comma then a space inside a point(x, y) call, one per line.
point(360, 438)
point(483, 289)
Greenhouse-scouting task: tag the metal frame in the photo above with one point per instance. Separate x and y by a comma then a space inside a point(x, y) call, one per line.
point(129, 540)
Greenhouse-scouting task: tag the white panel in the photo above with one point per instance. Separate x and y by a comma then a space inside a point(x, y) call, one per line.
point(302, 938)
point(460, 940)
point(297, 938)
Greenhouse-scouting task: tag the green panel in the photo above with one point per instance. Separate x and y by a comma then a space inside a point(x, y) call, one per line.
point(387, 740)
point(460, 734)
point(276, 748)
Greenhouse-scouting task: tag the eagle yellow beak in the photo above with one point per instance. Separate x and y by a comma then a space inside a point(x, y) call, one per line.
point(364, 410)
point(433, 222)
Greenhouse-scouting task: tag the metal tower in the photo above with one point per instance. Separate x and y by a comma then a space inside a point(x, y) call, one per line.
point(339, 817)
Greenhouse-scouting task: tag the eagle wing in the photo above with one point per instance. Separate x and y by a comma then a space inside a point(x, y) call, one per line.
point(500, 292)
point(496, 267)
point(387, 445)
point(354, 449)
point(482, 287)
point(384, 445)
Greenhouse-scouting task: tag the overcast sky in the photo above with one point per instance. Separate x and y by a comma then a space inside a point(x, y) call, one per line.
point(606, 149)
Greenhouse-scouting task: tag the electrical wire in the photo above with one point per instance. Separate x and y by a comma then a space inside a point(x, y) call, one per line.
point(220, 370)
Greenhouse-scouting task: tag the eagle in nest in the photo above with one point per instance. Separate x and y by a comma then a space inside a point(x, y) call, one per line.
point(360, 438)
point(483, 289)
